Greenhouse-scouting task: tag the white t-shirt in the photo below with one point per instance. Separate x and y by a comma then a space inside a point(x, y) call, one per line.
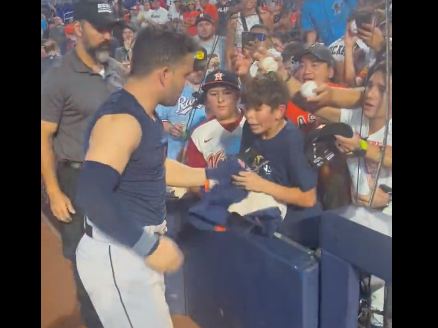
point(250, 22)
point(367, 174)
point(158, 16)
point(173, 13)
point(219, 50)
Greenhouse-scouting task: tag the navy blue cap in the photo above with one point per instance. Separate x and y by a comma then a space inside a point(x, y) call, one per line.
point(219, 78)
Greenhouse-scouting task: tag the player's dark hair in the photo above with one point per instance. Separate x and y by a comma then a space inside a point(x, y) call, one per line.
point(157, 46)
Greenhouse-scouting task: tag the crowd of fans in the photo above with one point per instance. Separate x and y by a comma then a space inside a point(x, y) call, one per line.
point(349, 38)
point(261, 55)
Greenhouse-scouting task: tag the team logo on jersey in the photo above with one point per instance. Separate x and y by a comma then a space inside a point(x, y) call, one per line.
point(218, 76)
point(185, 105)
point(301, 121)
point(215, 158)
point(223, 9)
point(267, 170)
point(338, 49)
point(258, 160)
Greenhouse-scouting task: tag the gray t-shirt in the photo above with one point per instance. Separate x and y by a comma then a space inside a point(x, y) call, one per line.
point(219, 50)
point(70, 94)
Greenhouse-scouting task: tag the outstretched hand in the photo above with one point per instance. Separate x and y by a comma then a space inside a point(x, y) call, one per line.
point(323, 96)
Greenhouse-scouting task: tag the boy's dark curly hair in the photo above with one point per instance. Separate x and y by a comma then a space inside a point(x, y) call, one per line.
point(267, 89)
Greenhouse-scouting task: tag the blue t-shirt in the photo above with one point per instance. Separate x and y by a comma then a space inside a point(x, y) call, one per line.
point(287, 164)
point(182, 112)
point(327, 17)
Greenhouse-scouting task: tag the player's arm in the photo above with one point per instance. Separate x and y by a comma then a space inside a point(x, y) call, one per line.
point(112, 141)
point(251, 181)
point(180, 175)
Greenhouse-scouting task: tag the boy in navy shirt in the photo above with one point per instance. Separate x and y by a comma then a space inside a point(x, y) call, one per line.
point(285, 174)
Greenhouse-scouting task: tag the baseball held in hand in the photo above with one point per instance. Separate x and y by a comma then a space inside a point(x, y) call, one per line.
point(307, 89)
point(269, 64)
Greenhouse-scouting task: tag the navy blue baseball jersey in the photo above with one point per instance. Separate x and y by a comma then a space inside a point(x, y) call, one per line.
point(140, 194)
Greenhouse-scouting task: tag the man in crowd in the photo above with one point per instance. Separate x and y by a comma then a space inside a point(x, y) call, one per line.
point(222, 7)
point(325, 20)
point(123, 54)
point(53, 55)
point(56, 32)
point(238, 23)
point(208, 39)
point(157, 14)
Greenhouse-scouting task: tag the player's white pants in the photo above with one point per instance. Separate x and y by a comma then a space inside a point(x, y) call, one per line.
point(124, 291)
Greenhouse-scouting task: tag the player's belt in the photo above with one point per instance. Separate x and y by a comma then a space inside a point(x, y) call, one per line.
point(89, 229)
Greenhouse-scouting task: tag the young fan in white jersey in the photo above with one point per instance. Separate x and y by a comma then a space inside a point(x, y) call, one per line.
point(219, 137)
